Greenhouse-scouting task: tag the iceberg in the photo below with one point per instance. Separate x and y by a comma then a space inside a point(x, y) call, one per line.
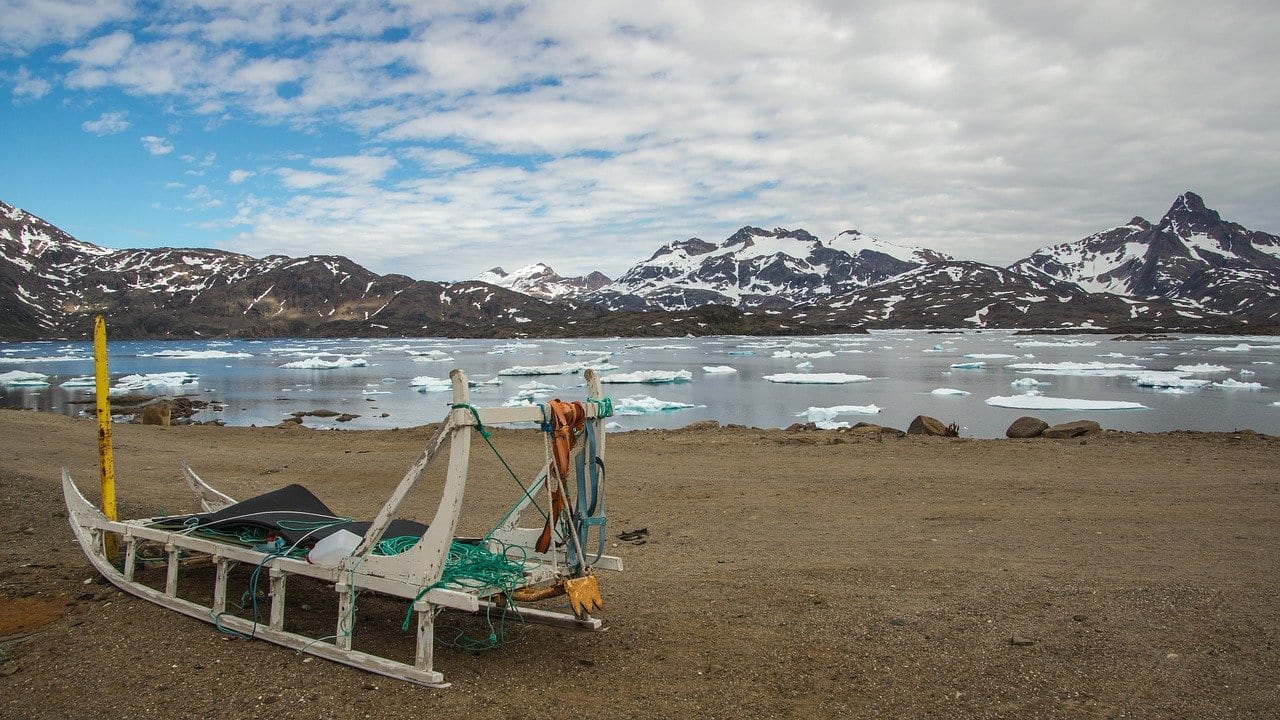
point(1040, 402)
point(718, 369)
point(825, 417)
point(426, 384)
point(556, 369)
point(22, 378)
point(1097, 369)
point(1201, 368)
point(652, 377)
point(318, 363)
point(949, 391)
point(790, 354)
point(643, 405)
point(1231, 384)
point(197, 354)
point(152, 382)
point(1056, 343)
point(816, 378)
point(1167, 380)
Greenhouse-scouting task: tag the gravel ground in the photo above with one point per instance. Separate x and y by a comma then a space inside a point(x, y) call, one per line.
point(784, 574)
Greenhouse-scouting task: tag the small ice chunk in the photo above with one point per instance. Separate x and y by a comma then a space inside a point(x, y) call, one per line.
point(949, 391)
point(989, 356)
point(1242, 347)
point(1094, 369)
point(1028, 383)
point(84, 381)
point(823, 415)
point(1056, 343)
point(718, 369)
point(804, 365)
point(975, 365)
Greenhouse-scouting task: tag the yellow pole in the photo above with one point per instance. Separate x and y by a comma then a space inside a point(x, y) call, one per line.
point(106, 463)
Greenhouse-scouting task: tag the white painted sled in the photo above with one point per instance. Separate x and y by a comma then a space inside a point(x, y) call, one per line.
point(413, 575)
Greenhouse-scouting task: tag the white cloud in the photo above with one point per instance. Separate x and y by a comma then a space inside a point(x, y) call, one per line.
point(984, 129)
point(109, 123)
point(30, 23)
point(27, 86)
point(235, 177)
point(156, 145)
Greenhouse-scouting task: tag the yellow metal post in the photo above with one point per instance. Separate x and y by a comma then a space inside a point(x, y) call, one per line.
point(106, 463)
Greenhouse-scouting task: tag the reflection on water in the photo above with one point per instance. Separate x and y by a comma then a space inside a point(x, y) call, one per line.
point(374, 380)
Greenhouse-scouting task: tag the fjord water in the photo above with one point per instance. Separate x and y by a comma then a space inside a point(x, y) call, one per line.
point(904, 368)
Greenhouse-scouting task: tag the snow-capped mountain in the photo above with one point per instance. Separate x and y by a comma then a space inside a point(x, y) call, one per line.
point(757, 268)
point(540, 281)
point(51, 285)
point(1192, 255)
point(955, 294)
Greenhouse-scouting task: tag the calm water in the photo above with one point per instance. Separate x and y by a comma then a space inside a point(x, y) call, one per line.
point(904, 367)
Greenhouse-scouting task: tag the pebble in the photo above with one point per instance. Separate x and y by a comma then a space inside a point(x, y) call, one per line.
point(897, 622)
point(1020, 641)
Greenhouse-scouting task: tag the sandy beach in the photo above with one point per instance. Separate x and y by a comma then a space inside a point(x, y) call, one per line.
point(784, 574)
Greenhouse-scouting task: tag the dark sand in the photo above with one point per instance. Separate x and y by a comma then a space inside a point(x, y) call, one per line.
point(806, 574)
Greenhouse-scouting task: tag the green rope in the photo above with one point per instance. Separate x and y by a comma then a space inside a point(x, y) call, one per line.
point(472, 565)
point(603, 406)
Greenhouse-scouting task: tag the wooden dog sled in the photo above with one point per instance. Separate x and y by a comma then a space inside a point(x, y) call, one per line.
point(551, 560)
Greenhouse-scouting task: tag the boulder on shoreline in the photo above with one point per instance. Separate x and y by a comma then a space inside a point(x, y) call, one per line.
point(1026, 427)
point(1071, 429)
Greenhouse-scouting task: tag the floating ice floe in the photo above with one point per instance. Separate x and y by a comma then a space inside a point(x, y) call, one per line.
point(556, 369)
point(935, 349)
point(1242, 347)
point(661, 347)
point(643, 405)
point(1231, 384)
point(718, 369)
point(196, 354)
point(84, 381)
point(535, 385)
point(1028, 382)
point(1094, 369)
point(825, 417)
point(22, 378)
point(152, 382)
point(804, 365)
point(14, 360)
point(652, 377)
point(1246, 371)
point(431, 356)
point(741, 352)
point(789, 354)
point(1202, 368)
point(949, 391)
point(816, 378)
point(1056, 343)
point(989, 356)
point(1040, 402)
point(1262, 362)
point(1167, 380)
point(426, 384)
point(975, 365)
point(319, 363)
point(601, 354)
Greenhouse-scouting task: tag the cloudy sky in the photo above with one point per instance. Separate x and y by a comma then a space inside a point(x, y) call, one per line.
point(439, 139)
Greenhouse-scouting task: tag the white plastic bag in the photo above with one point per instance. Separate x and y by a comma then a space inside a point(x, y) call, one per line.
point(330, 550)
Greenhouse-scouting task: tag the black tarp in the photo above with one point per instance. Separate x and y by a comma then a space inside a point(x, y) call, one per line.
point(293, 513)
